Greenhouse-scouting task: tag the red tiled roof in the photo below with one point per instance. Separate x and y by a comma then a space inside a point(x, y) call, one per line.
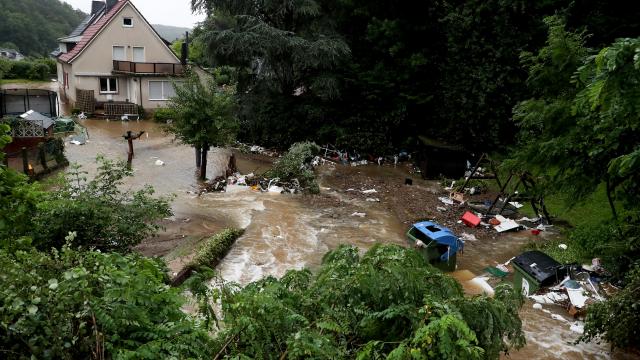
point(92, 31)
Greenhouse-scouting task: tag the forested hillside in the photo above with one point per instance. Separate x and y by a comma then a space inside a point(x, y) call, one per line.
point(34, 25)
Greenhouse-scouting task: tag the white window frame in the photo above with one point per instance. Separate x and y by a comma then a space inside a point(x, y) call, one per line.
point(109, 90)
point(165, 98)
point(125, 25)
point(124, 47)
point(133, 53)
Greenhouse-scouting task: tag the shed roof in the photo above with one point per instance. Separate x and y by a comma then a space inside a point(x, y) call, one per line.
point(35, 116)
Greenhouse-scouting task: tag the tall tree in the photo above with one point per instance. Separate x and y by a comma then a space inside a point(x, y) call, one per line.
point(204, 116)
point(286, 54)
point(35, 25)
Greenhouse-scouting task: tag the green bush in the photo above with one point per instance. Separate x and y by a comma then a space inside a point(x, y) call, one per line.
point(161, 115)
point(616, 320)
point(216, 248)
point(38, 71)
point(68, 304)
point(387, 304)
point(103, 215)
point(295, 164)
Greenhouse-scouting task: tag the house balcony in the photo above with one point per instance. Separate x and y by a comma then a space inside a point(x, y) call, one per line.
point(145, 68)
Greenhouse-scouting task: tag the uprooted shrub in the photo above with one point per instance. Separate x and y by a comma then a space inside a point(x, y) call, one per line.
point(210, 253)
point(296, 165)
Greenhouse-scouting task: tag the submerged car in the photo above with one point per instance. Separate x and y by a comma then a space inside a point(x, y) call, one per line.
point(437, 244)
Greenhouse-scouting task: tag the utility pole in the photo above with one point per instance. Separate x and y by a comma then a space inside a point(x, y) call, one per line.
point(130, 137)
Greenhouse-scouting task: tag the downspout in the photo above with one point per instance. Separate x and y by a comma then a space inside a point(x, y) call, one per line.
point(140, 81)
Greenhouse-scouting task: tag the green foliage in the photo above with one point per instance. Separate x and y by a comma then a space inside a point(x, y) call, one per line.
point(18, 201)
point(101, 215)
point(388, 302)
point(286, 55)
point(296, 164)
point(616, 320)
point(35, 25)
point(204, 114)
point(36, 69)
point(71, 304)
point(216, 248)
point(196, 47)
point(161, 115)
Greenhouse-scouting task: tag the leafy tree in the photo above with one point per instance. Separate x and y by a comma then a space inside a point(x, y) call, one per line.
point(71, 304)
point(389, 302)
point(583, 129)
point(100, 214)
point(286, 55)
point(204, 116)
point(35, 25)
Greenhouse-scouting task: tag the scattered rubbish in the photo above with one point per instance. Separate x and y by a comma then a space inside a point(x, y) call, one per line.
point(457, 196)
point(494, 221)
point(373, 199)
point(577, 327)
point(446, 200)
point(370, 191)
point(468, 237)
point(359, 214)
point(450, 187)
point(559, 318)
point(359, 163)
point(576, 296)
point(276, 189)
point(535, 231)
point(159, 162)
point(537, 306)
point(516, 204)
point(441, 209)
point(549, 298)
point(79, 139)
point(534, 220)
point(470, 219)
point(563, 246)
point(496, 272)
point(505, 224)
point(481, 282)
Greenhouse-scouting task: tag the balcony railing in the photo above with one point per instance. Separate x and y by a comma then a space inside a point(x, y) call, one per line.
point(131, 67)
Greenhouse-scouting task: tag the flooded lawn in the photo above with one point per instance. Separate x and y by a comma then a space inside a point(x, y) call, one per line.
point(293, 231)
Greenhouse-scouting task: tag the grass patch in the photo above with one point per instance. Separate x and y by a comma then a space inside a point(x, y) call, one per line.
point(573, 254)
point(21, 81)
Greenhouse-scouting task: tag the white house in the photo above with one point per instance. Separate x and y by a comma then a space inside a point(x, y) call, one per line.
point(116, 53)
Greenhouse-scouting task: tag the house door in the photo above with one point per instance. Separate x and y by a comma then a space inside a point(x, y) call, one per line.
point(133, 86)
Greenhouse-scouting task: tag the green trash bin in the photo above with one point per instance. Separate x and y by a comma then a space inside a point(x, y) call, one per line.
point(533, 270)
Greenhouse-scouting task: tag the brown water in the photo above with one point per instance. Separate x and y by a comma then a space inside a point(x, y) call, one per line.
point(290, 231)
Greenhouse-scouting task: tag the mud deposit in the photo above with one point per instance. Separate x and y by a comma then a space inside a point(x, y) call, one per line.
point(293, 231)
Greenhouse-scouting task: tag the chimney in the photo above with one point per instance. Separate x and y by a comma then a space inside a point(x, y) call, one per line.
point(184, 56)
point(111, 3)
point(96, 6)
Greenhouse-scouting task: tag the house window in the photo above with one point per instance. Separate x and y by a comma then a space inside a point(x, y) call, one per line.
point(127, 22)
point(119, 53)
point(108, 85)
point(161, 90)
point(138, 54)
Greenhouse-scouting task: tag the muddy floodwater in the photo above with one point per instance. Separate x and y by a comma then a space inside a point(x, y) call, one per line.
point(290, 231)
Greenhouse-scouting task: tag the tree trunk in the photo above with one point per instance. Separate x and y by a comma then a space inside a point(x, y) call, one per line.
point(198, 155)
point(203, 164)
point(611, 204)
